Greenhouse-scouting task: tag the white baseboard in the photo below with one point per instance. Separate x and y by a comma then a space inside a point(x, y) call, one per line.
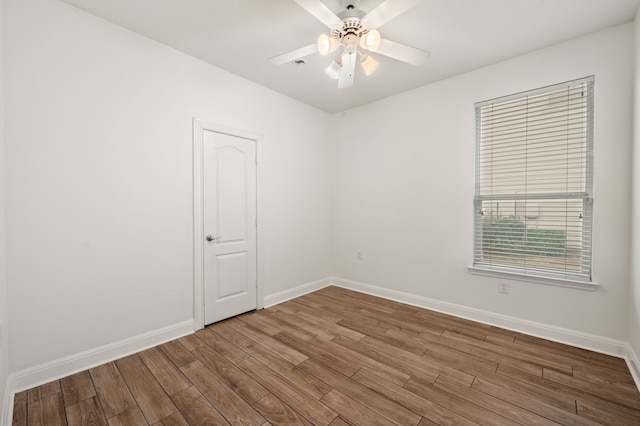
point(44, 373)
point(633, 362)
point(558, 334)
point(298, 291)
point(7, 406)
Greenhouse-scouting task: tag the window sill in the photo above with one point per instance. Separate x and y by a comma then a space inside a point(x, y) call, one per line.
point(559, 282)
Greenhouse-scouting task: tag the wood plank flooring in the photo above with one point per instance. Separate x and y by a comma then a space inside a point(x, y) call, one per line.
point(337, 357)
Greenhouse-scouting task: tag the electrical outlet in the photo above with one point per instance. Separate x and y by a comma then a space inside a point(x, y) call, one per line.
point(503, 286)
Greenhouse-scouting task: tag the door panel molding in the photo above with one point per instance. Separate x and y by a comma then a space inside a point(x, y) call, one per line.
point(199, 128)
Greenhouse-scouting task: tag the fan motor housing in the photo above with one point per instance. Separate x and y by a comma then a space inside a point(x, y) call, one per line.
point(351, 28)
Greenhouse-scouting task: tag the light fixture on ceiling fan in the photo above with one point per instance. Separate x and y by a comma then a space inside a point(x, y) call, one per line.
point(352, 29)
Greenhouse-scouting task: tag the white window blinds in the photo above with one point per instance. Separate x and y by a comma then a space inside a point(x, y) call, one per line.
point(534, 180)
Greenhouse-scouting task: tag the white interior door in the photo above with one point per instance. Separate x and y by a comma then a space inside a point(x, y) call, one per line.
point(229, 225)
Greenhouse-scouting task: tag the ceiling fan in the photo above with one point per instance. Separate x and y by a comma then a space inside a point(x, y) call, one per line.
point(355, 33)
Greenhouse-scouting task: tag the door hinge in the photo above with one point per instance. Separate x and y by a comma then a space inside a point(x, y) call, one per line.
point(256, 221)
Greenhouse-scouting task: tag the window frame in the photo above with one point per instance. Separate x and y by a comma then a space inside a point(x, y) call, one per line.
point(581, 280)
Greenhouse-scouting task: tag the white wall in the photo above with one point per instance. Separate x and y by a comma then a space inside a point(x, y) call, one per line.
point(99, 180)
point(634, 297)
point(403, 188)
point(4, 308)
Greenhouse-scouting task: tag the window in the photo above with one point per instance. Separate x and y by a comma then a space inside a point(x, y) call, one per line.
point(534, 182)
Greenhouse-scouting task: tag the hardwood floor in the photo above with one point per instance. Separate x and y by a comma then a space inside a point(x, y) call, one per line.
point(339, 357)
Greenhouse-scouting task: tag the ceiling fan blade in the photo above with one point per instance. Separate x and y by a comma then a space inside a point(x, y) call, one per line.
point(321, 12)
point(402, 52)
point(294, 54)
point(386, 11)
point(348, 70)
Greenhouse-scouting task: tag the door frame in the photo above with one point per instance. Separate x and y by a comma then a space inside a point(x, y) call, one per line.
point(199, 127)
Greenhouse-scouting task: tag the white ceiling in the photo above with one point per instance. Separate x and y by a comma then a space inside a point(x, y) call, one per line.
point(241, 35)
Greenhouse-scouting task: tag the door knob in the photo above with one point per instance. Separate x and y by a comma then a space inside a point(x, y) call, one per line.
point(210, 238)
